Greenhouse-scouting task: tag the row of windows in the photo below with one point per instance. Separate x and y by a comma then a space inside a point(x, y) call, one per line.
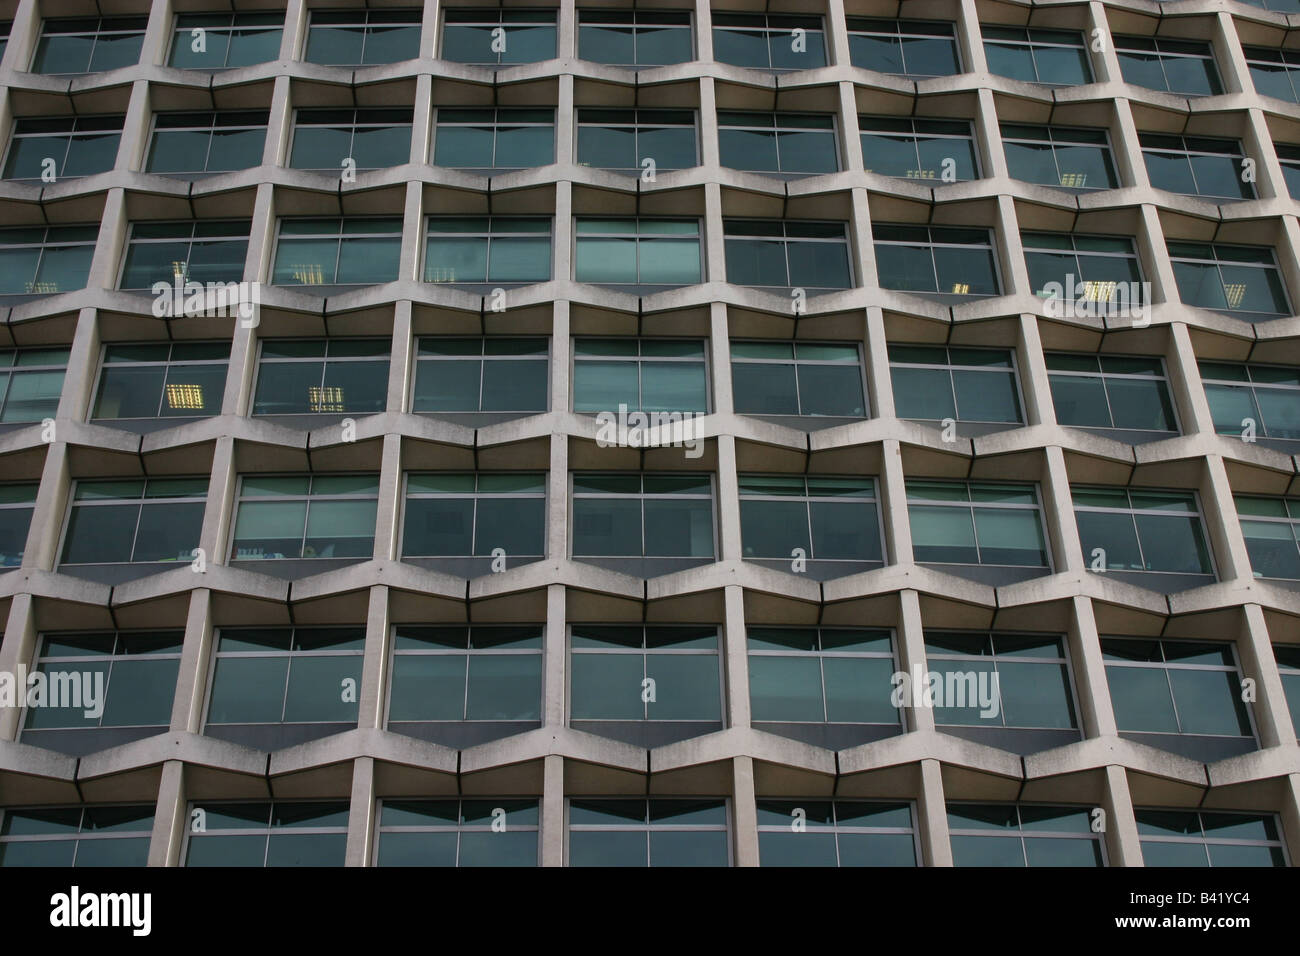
point(619, 676)
point(760, 253)
point(461, 515)
point(622, 831)
point(789, 144)
point(1115, 394)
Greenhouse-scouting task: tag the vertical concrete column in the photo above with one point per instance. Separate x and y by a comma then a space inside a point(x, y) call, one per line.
point(710, 153)
point(555, 657)
point(429, 35)
point(860, 243)
point(361, 814)
point(83, 361)
point(1272, 715)
point(850, 134)
point(294, 38)
point(1228, 55)
point(6, 118)
point(553, 810)
point(565, 117)
point(988, 135)
point(893, 503)
point(390, 499)
point(932, 816)
point(192, 672)
point(241, 371)
point(1058, 510)
point(261, 236)
point(111, 244)
point(1127, 144)
point(1123, 847)
point(49, 510)
point(1185, 382)
point(402, 363)
point(703, 30)
point(1093, 691)
point(566, 34)
point(1011, 252)
point(729, 548)
point(18, 647)
point(135, 128)
point(25, 33)
point(561, 346)
point(1156, 268)
point(557, 501)
point(720, 361)
point(744, 812)
point(1096, 36)
point(562, 253)
point(1257, 142)
point(714, 240)
point(969, 40)
point(372, 699)
point(911, 655)
point(218, 515)
point(279, 124)
point(422, 117)
point(837, 34)
point(1219, 512)
point(735, 649)
point(1290, 806)
point(157, 34)
point(875, 353)
point(171, 816)
point(408, 269)
point(1035, 385)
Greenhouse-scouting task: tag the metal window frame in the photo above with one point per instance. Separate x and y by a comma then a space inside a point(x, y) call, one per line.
point(308, 497)
point(642, 496)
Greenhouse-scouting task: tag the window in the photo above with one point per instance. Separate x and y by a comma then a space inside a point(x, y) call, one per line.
point(226, 40)
point(651, 375)
point(5, 27)
point(138, 670)
point(527, 36)
point(638, 251)
point(933, 383)
point(1273, 71)
point(1142, 530)
point(1270, 526)
point(286, 675)
point(978, 522)
point(78, 145)
point(635, 37)
point(797, 378)
point(363, 37)
point(458, 833)
point(656, 832)
point(1053, 57)
point(1032, 684)
point(180, 380)
point(1196, 166)
point(1191, 838)
point(89, 45)
point(821, 675)
point(1288, 665)
point(1289, 157)
point(460, 514)
point(487, 249)
point(835, 833)
point(43, 260)
point(935, 259)
point(1278, 6)
point(1110, 391)
point(31, 381)
point(1175, 687)
point(1228, 278)
point(120, 521)
point(828, 519)
point(918, 48)
point(494, 139)
point(651, 516)
point(17, 502)
point(76, 836)
point(1185, 67)
point(268, 834)
point(769, 42)
point(206, 142)
point(1266, 397)
point(337, 251)
point(785, 253)
point(305, 516)
point(613, 670)
point(319, 376)
point(1001, 834)
point(1101, 271)
point(930, 149)
point(1068, 157)
point(481, 375)
point(622, 140)
point(371, 138)
point(796, 144)
point(202, 251)
point(466, 673)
